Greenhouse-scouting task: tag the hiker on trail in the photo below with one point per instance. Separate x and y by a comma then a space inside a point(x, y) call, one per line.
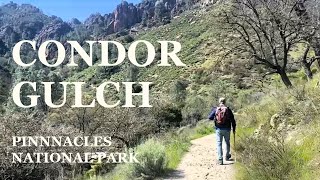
point(224, 120)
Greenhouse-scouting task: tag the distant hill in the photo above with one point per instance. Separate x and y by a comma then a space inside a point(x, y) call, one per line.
point(18, 22)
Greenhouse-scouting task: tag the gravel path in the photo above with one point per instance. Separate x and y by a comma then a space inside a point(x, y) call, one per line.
point(200, 163)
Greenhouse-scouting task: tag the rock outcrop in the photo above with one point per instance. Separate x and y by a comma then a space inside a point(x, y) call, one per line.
point(126, 15)
point(99, 24)
point(54, 30)
point(18, 22)
point(74, 22)
point(8, 35)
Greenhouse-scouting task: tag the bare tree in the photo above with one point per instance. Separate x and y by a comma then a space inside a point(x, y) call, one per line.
point(266, 29)
point(126, 126)
point(308, 11)
point(308, 61)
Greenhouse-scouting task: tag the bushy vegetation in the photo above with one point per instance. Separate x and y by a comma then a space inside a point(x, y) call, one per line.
point(265, 108)
point(159, 155)
point(266, 160)
point(152, 157)
point(283, 144)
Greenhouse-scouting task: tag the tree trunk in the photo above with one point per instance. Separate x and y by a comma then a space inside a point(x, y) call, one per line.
point(317, 53)
point(307, 71)
point(285, 79)
point(307, 66)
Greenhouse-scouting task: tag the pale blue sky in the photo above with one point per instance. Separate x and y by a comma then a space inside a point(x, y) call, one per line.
point(67, 9)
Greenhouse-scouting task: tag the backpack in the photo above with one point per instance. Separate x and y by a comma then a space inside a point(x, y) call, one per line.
point(221, 115)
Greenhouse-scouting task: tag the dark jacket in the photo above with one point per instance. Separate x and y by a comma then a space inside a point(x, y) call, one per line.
point(230, 120)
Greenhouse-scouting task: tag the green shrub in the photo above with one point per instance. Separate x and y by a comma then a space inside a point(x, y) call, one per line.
point(159, 155)
point(203, 129)
point(167, 115)
point(176, 143)
point(266, 155)
point(194, 110)
point(152, 158)
point(121, 172)
point(153, 163)
point(264, 160)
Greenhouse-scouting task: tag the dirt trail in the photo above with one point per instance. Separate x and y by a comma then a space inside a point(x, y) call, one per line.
point(200, 163)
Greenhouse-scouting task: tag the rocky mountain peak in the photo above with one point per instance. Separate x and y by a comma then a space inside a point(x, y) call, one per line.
point(126, 15)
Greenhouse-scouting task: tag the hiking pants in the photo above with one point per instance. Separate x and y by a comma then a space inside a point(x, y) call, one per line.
point(220, 135)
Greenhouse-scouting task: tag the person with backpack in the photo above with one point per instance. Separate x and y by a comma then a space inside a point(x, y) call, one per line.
point(224, 120)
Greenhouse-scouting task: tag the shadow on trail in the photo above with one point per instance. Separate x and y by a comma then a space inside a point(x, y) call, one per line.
point(174, 174)
point(229, 162)
point(224, 164)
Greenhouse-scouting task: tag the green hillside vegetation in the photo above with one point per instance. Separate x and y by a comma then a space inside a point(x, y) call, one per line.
point(279, 123)
point(279, 134)
point(277, 119)
point(207, 72)
point(182, 29)
point(159, 155)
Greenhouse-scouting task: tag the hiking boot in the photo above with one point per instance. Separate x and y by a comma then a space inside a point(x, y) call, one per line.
point(228, 157)
point(220, 162)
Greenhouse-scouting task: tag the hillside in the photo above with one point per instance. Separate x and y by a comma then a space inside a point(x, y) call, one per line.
point(27, 22)
point(201, 52)
point(269, 78)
